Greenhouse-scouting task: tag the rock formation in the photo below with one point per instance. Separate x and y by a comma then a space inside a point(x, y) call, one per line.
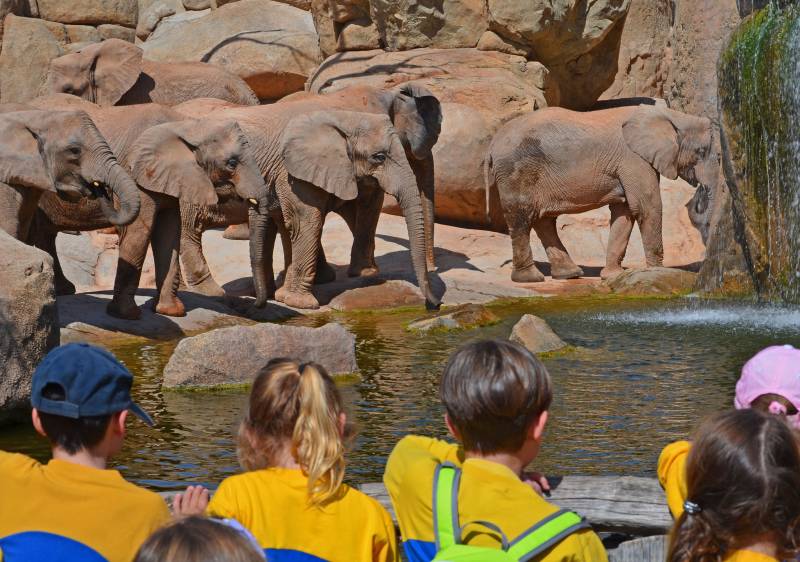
point(536, 335)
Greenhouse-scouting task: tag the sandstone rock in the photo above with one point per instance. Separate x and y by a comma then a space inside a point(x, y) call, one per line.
point(235, 355)
point(653, 281)
point(479, 92)
point(447, 24)
point(16, 7)
point(358, 35)
point(111, 31)
point(272, 46)
point(152, 14)
point(28, 47)
point(391, 294)
point(325, 26)
point(92, 12)
point(459, 318)
point(28, 321)
point(535, 335)
point(491, 41)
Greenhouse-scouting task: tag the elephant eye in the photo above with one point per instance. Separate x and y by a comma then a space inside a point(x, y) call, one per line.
point(378, 158)
point(232, 163)
point(73, 151)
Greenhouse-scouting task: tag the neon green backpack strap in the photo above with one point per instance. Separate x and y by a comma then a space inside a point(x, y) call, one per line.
point(445, 505)
point(546, 534)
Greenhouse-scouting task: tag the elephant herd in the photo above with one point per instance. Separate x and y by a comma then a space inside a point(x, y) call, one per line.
point(163, 152)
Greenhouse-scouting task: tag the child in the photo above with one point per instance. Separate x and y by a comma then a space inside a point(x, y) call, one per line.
point(770, 383)
point(292, 497)
point(74, 508)
point(496, 395)
point(197, 539)
point(743, 485)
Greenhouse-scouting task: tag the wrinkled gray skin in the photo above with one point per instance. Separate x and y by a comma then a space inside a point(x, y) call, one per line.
point(700, 208)
point(177, 162)
point(113, 72)
point(63, 153)
point(416, 116)
point(555, 162)
point(321, 162)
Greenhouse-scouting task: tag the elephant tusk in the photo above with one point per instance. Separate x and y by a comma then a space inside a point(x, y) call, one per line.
point(96, 183)
point(253, 202)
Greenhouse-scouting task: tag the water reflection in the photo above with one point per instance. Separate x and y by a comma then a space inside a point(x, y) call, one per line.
point(645, 373)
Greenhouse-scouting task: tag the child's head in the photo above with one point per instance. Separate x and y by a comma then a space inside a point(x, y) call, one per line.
point(495, 393)
point(743, 487)
point(770, 383)
point(295, 409)
point(197, 539)
point(80, 396)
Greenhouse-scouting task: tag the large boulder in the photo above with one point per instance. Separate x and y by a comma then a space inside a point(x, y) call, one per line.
point(448, 24)
point(479, 92)
point(28, 321)
point(536, 335)
point(272, 46)
point(235, 355)
point(16, 7)
point(29, 45)
point(652, 281)
point(91, 12)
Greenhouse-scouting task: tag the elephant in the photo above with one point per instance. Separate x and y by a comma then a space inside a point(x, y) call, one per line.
point(114, 72)
point(175, 161)
point(329, 160)
point(555, 161)
point(62, 153)
point(416, 115)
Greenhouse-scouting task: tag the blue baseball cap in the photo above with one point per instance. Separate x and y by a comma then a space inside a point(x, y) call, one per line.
point(93, 381)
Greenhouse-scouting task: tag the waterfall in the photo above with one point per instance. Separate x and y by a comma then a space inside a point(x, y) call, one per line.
point(759, 98)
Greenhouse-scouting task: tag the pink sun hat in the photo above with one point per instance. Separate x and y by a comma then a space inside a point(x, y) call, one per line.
point(774, 370)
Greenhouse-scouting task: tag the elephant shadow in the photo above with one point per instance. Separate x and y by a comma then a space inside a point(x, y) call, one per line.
point(446, 260)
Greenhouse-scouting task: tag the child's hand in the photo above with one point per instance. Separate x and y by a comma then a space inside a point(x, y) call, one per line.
point(192, 502)
point(537, 481)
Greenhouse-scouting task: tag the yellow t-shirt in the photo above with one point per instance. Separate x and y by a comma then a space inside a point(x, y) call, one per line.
point(488, 492)
point(672, 474)
point(273, 504)
point(749, 556)
point(65, 512)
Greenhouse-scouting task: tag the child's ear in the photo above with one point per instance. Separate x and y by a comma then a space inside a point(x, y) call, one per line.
point(37, 422)
point(342, 425)
point(536, 430)
point(451, 428)
point(117, 424)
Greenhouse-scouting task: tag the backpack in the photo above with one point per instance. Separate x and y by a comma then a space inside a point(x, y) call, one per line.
point(533, 542)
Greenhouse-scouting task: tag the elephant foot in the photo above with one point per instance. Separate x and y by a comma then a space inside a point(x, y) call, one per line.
point(362, 271)
point(124, 310)
point(237, 232)
point(573, 272)
point(172, 308)
point(530, 275)
point(610, 271)
point(64, 287)
point(325, 274)
point(207, 287)
point(296, 299)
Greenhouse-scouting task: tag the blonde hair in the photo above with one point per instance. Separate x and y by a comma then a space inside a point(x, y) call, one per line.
point(299, 404)
point(197, 539)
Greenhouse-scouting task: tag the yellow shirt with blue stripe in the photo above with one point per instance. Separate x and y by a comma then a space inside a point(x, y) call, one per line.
point(65, 512)
point(672, 474)
point(488, 492)
point(273, 504)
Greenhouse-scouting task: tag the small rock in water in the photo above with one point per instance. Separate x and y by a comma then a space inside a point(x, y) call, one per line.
point(536, 335)
point(392, 294)
point(235, 355)
point(652, 281)
point(459, 318)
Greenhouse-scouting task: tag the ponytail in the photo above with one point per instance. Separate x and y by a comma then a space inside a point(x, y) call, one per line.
point(296, 409)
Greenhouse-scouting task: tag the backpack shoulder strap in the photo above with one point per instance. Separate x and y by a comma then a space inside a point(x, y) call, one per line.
point(445, 505)
point(545, 534)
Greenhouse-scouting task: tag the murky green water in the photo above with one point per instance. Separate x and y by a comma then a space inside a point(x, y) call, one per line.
point(646, 372)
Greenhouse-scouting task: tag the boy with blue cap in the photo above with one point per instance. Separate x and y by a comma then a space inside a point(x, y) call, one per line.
point(74, 507)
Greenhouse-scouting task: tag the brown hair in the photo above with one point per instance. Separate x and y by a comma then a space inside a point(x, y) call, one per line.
point(762, 404)
point(743, 475)
point(296, 404)
point(197, 539)
point(492, 391)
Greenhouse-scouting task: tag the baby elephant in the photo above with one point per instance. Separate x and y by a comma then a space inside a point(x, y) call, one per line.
point(554, 162)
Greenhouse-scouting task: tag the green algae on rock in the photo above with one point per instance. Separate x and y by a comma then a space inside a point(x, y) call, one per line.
point(459, 318)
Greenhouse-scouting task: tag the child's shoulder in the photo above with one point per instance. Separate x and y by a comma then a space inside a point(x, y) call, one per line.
point(16, 465)
point(363, 503)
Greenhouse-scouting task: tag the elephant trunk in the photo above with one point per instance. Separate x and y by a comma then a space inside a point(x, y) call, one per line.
point(259, 220)
point(104, 168)
point(400, 182)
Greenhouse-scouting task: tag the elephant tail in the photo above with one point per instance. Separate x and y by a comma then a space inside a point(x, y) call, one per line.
point(494, 210)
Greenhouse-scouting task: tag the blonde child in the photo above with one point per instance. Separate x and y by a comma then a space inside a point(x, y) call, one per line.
point(770, 383)
point(743, 492)
point(292, 496)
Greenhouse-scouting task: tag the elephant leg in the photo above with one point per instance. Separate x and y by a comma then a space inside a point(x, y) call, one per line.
point(325, 271)
point(524, 267)
point(621, 228)
point(362, 217)
point(306, 233)
point(424, 171)
point(644, 200)
point(196, 272)
point(166, 243)
point(561, 265)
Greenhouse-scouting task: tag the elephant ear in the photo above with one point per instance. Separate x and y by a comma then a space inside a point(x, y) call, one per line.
point(117, 65)
point(650, 134)
point(417, 116)
point(163, 160)
point(315, 150)
point(21, 160)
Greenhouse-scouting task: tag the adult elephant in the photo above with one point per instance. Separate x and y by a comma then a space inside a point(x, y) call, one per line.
point(326, 161)
point(555, 161)
point(61, 152)
point(175, 161)
point(416, 115)
point(114, 72)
